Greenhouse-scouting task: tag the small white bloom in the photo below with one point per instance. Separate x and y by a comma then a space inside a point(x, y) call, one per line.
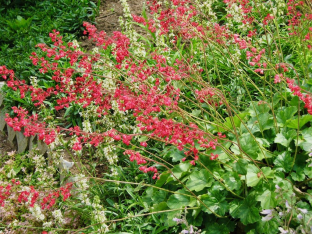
point(57, 214)
point(303, 211)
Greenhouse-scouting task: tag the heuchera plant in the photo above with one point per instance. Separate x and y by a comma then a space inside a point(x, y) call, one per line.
point(228, 101)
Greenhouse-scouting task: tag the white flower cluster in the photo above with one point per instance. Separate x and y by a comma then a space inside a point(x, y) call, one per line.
point(99, 214)
point(206, 8)
point(57, 214)
point(47, 224)
point(39, 160)
point(236, 16)
point(109, 83)
point(37, 212)
point(126, 24)
point(86, 126)
point(279, 7)
point(75, 43)
point(34, 81)
point(82, 186)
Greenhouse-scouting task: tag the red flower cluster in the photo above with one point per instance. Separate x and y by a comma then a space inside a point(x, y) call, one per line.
point(209, 95)
point(136, 156)
point(144, 101)
point(24, 196)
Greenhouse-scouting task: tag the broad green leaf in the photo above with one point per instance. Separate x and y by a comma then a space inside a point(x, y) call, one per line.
point(180, 169)
point(293, 123)
point(159, 196)
point(263, 142)
point(261, 122)
point(256, 109)
point(294, 101)
point(284, 138)
point(307, 140)
point(170, 215)
point(308, 170)
point(249, 145)
point(143, 138)
point(267, 172)
point(216, 228)
point(264, 153)
point(232, 181)
point(283, 162)
point(177, 155)
point(199, 180)
point(246, 210)
point(177, 201)
point(268, 227)
point(162, 179)
point(253, 175)
point(160, 206)
point(240, 166)
point(236, 120)
point(298, 175)
point(216, 201)
point(267, 199)
point(285, 114)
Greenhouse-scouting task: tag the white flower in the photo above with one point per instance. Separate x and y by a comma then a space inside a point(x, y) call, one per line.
point(47, 224)
point(268, 213)
point(303, 211)
point(57, 214)
point(36, 212)
point(282, 230)
point(11, 173)
point(287, 205)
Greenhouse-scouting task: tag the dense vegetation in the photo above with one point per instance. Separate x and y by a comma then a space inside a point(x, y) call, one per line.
point(202, 124)
point(24, 24)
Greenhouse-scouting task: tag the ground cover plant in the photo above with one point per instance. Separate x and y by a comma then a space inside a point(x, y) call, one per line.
point(27, 23)
point(203, 123)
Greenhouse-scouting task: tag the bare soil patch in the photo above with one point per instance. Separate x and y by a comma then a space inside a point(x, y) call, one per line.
point(109, 13)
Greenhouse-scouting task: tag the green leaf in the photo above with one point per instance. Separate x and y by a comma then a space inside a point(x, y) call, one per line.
point(256, 109)
point(268, 227)
point(143, 138)
point(284, 138)
point(283, 162)
point(232, 181)
point(267, 199)
point(249, 145)
point(307, 139)
point(160, 206)
point(181, 169)
point(267, 172)
point(177, 201)
point(261, 122)
point(298, 175)
point(217, 228)
point(240, 166)
point(199, 180)
point(177, 155)
point(236, 120)
point(285, 114)
point(245, 210)
point(173, 214)
point(253, 175)
point(293, 123)
point(159, 196)
point(216, 201)
point(162, 179)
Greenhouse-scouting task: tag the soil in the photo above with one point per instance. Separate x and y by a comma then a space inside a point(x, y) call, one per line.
point(109, 13)
point(5, 146)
